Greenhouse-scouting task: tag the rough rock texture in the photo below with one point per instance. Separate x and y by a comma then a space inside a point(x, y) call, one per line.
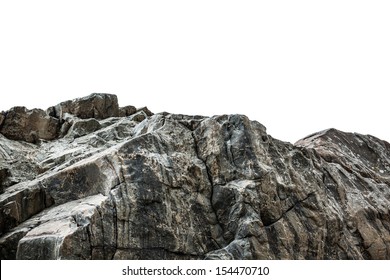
point(96, 181)
point(28, 125)
point(96, 105)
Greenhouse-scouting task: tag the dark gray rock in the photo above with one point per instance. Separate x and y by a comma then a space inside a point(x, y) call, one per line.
point(83, 127)
point(29, 125)
point(146, 111)
point(2, 118)
point(4, 177)
point(166, 186)
point(127, 111)
point(17, 162)
point(139, 116)
point(96, 105)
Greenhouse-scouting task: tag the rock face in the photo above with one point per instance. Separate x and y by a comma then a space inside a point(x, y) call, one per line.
point(95, 181)
point(28, 125)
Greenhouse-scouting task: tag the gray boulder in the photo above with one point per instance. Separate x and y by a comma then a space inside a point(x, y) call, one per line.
point(28, 125)
point(96, 105)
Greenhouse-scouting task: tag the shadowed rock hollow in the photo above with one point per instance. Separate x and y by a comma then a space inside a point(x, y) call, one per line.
point(87, 179)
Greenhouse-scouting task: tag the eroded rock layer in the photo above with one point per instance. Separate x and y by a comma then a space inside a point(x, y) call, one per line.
point(87, 179)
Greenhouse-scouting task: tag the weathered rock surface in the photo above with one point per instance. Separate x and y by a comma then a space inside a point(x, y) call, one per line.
point(97, 181)
point(28, 125)
point(96, 105)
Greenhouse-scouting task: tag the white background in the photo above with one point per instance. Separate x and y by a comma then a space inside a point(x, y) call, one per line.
point(295, 66)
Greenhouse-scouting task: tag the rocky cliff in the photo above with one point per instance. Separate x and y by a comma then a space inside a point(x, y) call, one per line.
point(87, 179)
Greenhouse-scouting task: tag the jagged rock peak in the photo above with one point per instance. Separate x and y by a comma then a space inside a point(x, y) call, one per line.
point(89, 180)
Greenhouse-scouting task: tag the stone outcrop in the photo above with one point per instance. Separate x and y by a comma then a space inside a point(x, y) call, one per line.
point(28, 125)
point(102, 182)
point(96, 105)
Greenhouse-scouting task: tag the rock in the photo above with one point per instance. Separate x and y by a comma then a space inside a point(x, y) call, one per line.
point(137, 185)
point(83, 127)
point(74, 230)
point(139, 116)
point(29, 125)
point(4, 175)
point(127, 111)
point(146, 111)
point(2, 118)
point(17, 162)
point(96, 105)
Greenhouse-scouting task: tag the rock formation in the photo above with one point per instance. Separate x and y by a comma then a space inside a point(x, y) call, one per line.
point(87, 179)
